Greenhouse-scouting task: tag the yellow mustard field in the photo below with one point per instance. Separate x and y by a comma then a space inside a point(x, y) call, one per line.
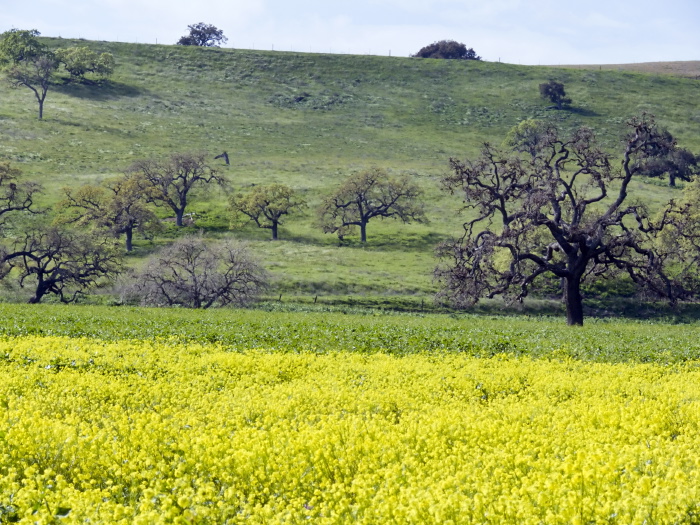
point(162, 432)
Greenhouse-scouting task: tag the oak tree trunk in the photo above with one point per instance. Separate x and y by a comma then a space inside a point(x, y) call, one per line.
point(573, 301)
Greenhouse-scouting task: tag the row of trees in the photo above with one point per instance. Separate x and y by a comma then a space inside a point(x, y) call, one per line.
point(28, 63)
point(75, 248)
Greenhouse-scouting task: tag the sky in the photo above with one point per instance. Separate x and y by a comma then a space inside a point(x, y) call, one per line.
point(534, 32)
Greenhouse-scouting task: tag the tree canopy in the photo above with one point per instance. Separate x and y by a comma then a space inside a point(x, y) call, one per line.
point(368, 194)
point(266, 206)
point(171, 182)
point(554, 91)
point(20, 45)
point(204, 35)
point(80, 61)
point(119, 206)
point(448, 49)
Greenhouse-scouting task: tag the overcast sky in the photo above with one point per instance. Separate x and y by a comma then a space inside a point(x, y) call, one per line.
point(514, 31)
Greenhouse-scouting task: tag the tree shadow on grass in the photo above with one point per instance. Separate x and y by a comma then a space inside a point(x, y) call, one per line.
point(104, 91)
point(584, 112)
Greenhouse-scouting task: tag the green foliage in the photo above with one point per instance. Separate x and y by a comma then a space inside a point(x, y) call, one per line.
point(527, 136)
point(265, 206)
point(20, 45)
point(448, 49)
point(400, 334)
point(368, 194)
point(554, 91)
point(82, 60)
point(362, 111)
point(119, 205)
point(203, 35)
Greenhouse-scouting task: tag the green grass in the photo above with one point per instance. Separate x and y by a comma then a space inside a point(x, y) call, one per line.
point(368, 331)
point(309, 120)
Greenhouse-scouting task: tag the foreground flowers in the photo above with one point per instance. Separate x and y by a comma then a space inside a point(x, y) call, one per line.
point(148, 432)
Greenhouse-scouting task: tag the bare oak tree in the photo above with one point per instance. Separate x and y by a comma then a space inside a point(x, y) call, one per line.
point(366, 195)
point(265, 206)
point(52, 260)
point(119, 205)
point(197, 274)
point(16, 195)
point(171, 182)
point(565, 212)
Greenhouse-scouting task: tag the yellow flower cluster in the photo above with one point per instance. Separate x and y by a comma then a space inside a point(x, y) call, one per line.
point(161, 432)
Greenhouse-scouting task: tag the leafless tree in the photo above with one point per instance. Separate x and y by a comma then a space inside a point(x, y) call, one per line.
point(16, 195)
point(366, 195)
point(197, 274)
point(172, 181)
point(565, 212)
point(52, 260)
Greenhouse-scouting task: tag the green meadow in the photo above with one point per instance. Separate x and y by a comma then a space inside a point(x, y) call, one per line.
point(308, 121)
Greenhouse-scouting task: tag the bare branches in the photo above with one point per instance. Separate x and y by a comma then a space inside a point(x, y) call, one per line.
point(16, 195)
point(172, 181)
point(195, 274)
point(120, 206)
point(62, 262)
point(559, 213)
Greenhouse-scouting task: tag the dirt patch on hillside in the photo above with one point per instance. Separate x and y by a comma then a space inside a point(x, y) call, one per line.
point(688, 69)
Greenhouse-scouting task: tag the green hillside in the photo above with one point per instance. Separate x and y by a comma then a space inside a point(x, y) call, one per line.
point(309, 120)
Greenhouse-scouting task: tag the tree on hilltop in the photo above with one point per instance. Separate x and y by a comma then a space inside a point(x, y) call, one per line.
point(566, 213)
point(204, 35)
point(448, 49)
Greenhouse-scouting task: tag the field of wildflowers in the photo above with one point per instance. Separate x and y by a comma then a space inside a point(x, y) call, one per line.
point(165, 431)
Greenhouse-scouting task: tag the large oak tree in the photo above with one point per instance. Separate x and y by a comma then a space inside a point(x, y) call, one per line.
point(564, 212)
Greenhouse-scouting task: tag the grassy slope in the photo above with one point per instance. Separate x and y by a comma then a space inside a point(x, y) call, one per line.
point(308, 120)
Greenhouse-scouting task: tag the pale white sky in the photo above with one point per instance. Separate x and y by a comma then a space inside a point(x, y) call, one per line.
point(514, 31)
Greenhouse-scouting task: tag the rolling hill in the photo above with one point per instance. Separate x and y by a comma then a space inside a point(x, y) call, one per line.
point(309, 120)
